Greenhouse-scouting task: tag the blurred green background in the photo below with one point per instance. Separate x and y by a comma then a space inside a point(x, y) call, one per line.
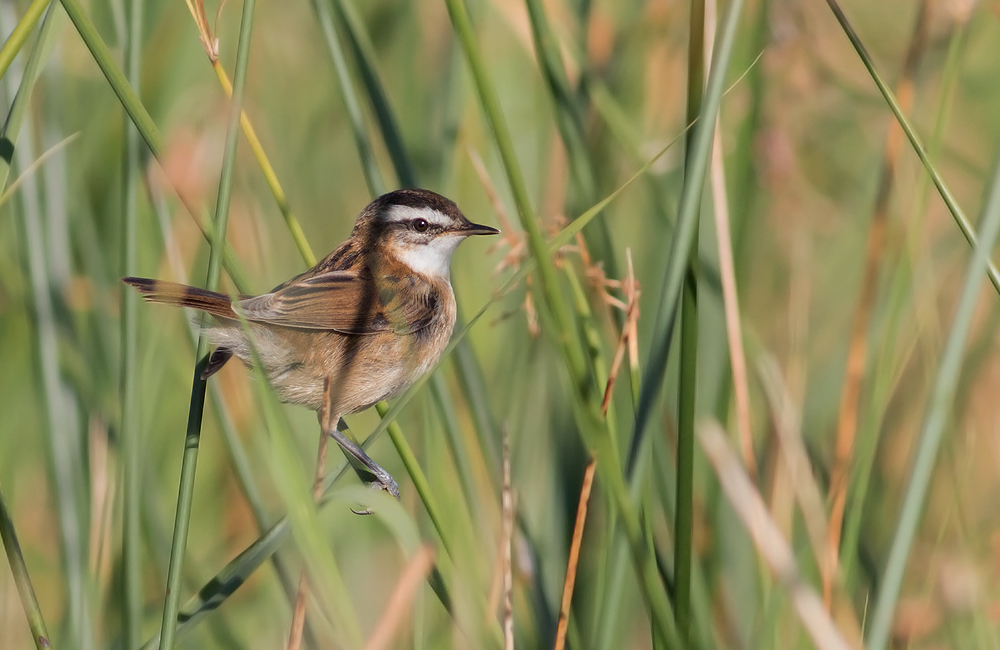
point(803, 131)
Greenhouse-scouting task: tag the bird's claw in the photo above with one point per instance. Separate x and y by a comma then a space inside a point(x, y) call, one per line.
point(383, 481)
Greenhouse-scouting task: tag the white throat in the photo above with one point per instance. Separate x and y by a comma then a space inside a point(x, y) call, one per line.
point(433, 259)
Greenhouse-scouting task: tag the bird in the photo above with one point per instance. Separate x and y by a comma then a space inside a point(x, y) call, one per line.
point(359, 327)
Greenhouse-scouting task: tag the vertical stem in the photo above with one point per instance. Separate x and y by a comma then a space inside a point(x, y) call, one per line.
point(683, 516)
point(933, 427)
point(19, 571)
point(192, 437)
point(131, 440)
point(20, 34)
point(64, 439)
point(369, 166)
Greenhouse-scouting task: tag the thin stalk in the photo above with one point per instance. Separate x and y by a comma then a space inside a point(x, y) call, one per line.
point(887, 375)
point(119, 83)
point(65, 444)
point(932, 430)
point(687, 386)
point(453, 433)
point(684, 512)
point(144, 123)
point(288, 474)
point(684, 236)
point(364, 58)
point(19, 107)
point(19, 570)
point(574, 555)
point(130, 434)
point(587, 398)
point(918, 146)
point(494, 114)
point(373, 177)
point(420, 481)
point(569, 110)
point(19, 36)
point(857, 354)
point(193, 433)
point(291, 221)
point(731, 306)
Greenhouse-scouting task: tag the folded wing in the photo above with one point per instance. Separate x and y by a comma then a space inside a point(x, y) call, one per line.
point(346, 302)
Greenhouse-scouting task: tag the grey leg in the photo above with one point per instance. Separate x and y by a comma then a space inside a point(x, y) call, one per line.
point(367, 469)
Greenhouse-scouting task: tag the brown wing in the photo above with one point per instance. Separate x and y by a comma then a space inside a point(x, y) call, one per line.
point(346, 302)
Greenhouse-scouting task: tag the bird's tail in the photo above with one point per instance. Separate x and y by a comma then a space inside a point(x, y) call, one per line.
point(174, 293)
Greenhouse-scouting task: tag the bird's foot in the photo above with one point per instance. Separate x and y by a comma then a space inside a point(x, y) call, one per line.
point(383, 481)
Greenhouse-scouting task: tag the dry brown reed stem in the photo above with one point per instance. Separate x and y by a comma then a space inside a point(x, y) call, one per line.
point(796, 460)
point(208, 42)
point(771, 545)
point(574, 554)
point(402, 596)
point(850, 396)
point(507, 501)
point(102, 498)
point(509, 235)
point(326, 421)
point(630, 329)
point(731, 304)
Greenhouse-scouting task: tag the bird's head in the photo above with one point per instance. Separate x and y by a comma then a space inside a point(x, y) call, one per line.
point(417, 227)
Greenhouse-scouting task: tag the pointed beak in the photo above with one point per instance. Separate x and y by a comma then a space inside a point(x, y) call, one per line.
point(476, 229)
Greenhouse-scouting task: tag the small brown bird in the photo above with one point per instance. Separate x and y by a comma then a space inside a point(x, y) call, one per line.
point(360, 326)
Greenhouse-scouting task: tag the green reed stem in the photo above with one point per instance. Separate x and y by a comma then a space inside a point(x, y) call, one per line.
point(684, 512)
point(143, 122)
point(587, 405)
point(685, 233)
point(130, 434)
point(19, 107)
point(369, 166)
point(494, 114)
point(19, 570)
point(932, 429)
point(911, 134)
point(11, 128)
point(900, 289)
point(63, 438)
point(19, 36)
point(365, 59)
point(193, 434)
point(569, 108)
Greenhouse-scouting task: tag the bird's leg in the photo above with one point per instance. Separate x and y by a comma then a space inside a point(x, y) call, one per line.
point(367, 469)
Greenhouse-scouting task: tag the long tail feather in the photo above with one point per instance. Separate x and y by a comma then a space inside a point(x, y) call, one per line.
point(174, 293)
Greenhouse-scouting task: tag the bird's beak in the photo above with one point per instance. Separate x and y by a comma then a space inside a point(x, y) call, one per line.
point(476, 229)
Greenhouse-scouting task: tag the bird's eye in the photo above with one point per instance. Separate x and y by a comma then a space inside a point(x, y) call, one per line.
point(420, 225)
